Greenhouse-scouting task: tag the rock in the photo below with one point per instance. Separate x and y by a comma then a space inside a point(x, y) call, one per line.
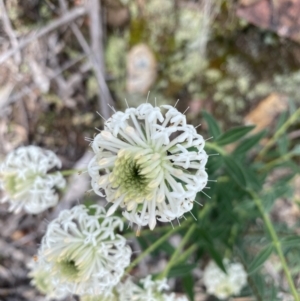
point(141, 69)
point(281, 16)
point(264, 114)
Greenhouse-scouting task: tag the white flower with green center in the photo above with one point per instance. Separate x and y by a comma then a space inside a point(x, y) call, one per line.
point(25, 180)
point(84, 252)
point(149, 290)
point(111, 297)
point(150, 164)
point(40, 272)
point(224, 285)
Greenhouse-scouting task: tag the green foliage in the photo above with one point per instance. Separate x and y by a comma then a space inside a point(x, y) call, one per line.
point(247, 143)
point(233, 135)
point(235, 221)
point(213, 127)
point(260, 258)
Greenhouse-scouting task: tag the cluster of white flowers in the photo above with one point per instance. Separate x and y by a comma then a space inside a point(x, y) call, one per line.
point(150, 291)
point(25, 182)
point(111, 297)
point(85, 255)
point(150, 164)
point(224, 285)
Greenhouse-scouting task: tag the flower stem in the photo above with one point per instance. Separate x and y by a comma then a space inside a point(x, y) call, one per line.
point(293, 118)
point(174, 256)
point(151, 248)
point(187, 253)
point(277, 161)
point(276, 244)
point(215, 147)
point(69, 172)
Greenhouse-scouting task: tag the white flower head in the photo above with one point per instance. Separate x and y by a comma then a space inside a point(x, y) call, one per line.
point(25, 180)
point(149, 163)
point(42, 279)
point(110, 297)
point(224, 285)
point(84, 252)
point(150, 290)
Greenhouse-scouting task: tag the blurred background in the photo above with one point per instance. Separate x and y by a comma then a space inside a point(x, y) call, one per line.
point(63, 60)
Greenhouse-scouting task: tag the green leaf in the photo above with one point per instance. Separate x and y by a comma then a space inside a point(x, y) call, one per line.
point(281, 189)
point(268, 201)
point(234, 134)
point(292, 241)
point(188, 285)
point(214, 164)
point(281, 120)
point(205, 240)
point(181, 270)
point(260, 259)
point(248, 143)
point(296, 150)
point(235, 171)
point(213, 127)
point(254, 180)
point(217, 257)
point(283, 144)
point(292, 106)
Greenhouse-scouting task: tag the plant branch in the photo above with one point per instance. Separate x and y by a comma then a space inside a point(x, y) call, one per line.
point(293, 118)
point(215, 147)
point(151, 248)
point(69, 172)
point(174, 256)
point(276, 243)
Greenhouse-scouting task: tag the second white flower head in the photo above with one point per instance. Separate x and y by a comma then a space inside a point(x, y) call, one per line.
point(84, 252)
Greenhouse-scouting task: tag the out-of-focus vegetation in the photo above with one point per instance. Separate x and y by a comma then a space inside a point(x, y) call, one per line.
point(228, 71)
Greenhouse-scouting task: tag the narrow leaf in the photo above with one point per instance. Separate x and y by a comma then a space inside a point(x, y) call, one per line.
point(248, 143)
point(234, 134)
point(260, 259)
point(235, 171)
point(292, 106)
point(214, 163)
point(188, 285)
point(208, 245)
point(292, 241)
point(181, 270)
point(213, 127)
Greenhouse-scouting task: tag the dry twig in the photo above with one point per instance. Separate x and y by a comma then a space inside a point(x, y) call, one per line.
point(96, 53)
point(10, 32)
point(68, 17)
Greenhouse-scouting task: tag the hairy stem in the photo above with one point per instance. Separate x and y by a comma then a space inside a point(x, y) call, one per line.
point(151, 248)
point(215, 147)
point(69, 172)
point(276, 244)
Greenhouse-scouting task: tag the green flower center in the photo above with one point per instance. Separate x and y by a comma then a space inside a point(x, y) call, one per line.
point(134, 175)
point(68, 269)
point(15, 185)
